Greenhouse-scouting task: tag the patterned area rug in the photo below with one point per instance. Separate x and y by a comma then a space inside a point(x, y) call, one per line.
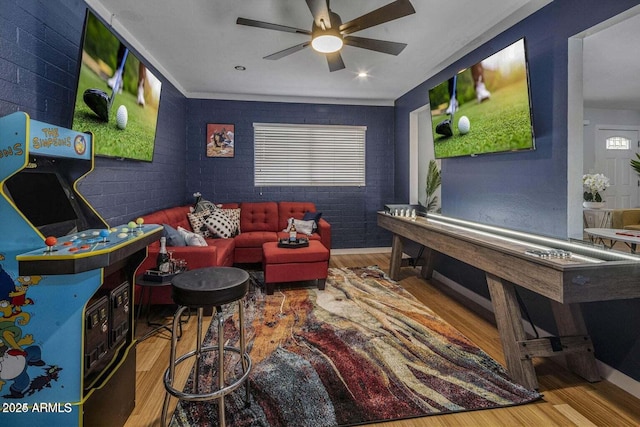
point(363, 350)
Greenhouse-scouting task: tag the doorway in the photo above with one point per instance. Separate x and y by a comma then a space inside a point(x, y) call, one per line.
point(579, 88)
point(421, 152)
point(615, 146)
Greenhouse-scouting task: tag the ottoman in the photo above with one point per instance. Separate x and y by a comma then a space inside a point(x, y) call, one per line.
point(282, 265)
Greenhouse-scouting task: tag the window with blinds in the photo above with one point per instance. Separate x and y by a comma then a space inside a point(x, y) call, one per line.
point(309, 155)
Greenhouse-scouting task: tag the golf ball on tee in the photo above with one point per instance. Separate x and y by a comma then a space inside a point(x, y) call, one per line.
point(121, 117)
point(464, 125)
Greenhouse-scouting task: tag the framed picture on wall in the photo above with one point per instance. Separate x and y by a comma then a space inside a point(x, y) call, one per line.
point(220, 140)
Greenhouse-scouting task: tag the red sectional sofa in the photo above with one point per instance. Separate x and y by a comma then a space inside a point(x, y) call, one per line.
point(260, 222)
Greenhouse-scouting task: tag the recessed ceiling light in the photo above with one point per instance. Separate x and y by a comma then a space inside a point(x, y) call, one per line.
point(363, 74)
point(240, 67)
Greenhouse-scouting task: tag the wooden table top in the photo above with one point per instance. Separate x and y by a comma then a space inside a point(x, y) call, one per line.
point(588, 274)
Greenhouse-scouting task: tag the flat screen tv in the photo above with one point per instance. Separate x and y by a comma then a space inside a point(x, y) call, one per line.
point(117, 96)
point(485, 108)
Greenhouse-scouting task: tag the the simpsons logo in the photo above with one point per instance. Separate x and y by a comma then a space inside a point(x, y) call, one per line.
point(12, 150)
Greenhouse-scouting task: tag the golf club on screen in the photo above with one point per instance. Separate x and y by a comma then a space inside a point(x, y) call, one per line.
point(98, 100)
point(445, 127)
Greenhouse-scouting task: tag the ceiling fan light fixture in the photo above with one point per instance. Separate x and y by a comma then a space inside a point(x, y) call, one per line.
point(327, 43)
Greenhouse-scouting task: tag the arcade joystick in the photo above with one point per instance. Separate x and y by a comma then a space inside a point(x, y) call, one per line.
point(140, 221)
point(132, 226)
point(50, 242)
point(104, 234)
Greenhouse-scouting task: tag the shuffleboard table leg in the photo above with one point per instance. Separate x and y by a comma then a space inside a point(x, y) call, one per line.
point(396, 257)
point(570, 322)
point(509, 322)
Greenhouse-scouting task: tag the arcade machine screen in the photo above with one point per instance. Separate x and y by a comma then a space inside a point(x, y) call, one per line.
point(45, 202)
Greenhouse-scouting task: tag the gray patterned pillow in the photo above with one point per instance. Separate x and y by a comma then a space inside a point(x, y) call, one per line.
point(219, 224)
point(204, 205)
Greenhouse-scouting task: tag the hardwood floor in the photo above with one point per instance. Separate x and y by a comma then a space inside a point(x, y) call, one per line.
point(567, 399)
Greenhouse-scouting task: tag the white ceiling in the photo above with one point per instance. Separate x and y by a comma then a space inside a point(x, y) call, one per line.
point(196, 44)
point(610, 64)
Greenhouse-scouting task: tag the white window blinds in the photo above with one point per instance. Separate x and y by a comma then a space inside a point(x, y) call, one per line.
point(309, 155)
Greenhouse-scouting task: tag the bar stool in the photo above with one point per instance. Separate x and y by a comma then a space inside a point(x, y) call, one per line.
point(208, 287)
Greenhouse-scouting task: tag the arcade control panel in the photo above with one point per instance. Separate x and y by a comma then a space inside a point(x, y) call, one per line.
point(87, 250)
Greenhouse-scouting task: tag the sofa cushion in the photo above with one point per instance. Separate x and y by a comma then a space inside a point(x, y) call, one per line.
point(219, 224)
point(198, 222)
point(174, 238)
point(312, 216)
point(255, 239)
point(234, 216)
point(296, 210)
point(302, 226)
point(176, 216)
point(191, 238)
point(259, 216)
point(224, 251)
point(205, 205)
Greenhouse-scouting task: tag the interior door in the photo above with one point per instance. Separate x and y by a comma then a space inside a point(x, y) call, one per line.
point(614, 149)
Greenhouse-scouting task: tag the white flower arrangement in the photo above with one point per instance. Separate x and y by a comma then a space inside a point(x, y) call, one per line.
point(593, 185)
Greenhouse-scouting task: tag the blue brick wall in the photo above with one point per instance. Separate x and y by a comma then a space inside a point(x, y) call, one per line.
point(39, 42)
point(528, 191)
point(350, 210)
point(39, 48)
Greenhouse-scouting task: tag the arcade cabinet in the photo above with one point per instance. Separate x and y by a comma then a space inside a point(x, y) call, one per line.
point(67, 344)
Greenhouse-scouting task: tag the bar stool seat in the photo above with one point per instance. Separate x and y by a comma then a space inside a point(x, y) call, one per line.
point(212, 286)
point(200, 288)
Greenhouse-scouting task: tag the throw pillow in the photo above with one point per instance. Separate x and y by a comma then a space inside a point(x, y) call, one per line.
point(219, 224)
point(174, 238)
point(315, 216)
point(192, 239)
point(234, 216)
point(196, 219)
point(204, 205)
point(302, 226)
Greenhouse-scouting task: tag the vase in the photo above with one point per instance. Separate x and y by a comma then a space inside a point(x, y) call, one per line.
point(594, 205)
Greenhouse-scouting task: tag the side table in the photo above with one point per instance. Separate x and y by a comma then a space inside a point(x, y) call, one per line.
point(147, 290)
point(597, 218)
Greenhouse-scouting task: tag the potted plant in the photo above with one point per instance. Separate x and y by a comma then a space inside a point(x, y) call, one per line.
point(635, 164)
point(433, 182)
point(594, 184)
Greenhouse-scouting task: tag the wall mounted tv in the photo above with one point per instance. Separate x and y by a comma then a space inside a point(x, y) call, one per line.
point(490, 111)
point(112, 81)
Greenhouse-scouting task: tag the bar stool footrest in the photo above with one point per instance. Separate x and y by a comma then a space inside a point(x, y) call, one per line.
point(193, 397)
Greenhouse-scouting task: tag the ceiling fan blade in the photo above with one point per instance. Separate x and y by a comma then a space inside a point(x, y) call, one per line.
point(289, 51)
point(392, 48)
point(395, 10)
point(268, 26)
point(320, 11)
point(335, 61)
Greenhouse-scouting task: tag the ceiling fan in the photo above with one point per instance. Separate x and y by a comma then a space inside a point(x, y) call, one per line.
point(329, 34)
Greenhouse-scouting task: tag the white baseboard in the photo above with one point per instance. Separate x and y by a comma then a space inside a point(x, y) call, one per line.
point(608, 373)
point(360, 251)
